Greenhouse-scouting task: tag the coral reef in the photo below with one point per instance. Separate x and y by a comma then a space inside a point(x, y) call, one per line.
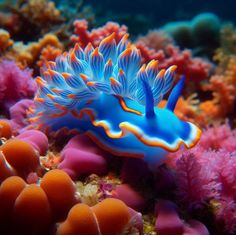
point(107, 169)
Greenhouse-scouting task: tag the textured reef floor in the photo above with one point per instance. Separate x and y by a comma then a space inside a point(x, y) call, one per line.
point(100, 130)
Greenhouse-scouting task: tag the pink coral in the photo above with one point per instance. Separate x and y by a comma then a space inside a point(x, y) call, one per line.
point(191, 181)
point(36, 138)
point(80, 157)
point(15, 84)
point(83, 36)
point(206, 174)
point(18, 114)
point(168, 221)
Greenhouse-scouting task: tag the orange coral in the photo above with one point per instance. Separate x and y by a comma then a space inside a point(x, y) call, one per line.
point(9, 191)
point(108, 217)
point(112, 216)
point(5, 41)
point(48, 53)
point(54, 183)
point(5, 170)
point(29, 55)
point(80, 220)
point(223, 86)
point(5, 129)
point(21, 156)
point(32, 210)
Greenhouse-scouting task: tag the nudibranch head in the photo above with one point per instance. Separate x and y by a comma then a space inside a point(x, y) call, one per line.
point(106, 93)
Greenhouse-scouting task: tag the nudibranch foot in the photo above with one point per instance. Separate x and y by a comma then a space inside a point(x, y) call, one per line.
point(106, 93)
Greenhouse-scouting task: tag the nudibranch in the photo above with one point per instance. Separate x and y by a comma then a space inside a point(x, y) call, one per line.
point(107, 94)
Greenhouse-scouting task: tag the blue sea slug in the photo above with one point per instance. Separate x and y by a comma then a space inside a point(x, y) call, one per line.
point(105, 93)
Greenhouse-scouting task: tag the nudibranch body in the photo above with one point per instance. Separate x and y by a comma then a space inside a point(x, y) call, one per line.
point(107, 94)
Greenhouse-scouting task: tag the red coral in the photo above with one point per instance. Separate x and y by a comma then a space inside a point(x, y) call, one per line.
point(15, 84)
point(83, 36)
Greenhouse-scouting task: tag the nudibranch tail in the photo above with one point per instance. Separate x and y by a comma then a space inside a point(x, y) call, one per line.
point(106, 93)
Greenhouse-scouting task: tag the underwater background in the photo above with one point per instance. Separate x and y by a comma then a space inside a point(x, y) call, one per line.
point(117, 117)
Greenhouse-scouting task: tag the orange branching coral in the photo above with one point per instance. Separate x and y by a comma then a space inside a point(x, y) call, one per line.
point(223, 83)
point(5, 41)
point(223, 95)
point(48, 53)
point(35, 53)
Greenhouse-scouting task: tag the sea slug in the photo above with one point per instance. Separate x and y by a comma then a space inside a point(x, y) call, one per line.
point(107, 94)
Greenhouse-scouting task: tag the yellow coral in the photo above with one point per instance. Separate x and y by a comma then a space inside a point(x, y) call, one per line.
point(5, 41)
point(30, 54)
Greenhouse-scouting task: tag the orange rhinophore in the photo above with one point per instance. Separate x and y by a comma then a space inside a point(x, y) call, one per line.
point(60, 191)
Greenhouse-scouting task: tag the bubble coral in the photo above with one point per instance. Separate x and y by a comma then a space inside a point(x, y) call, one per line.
point(5, 129)
point(82, 36)
point(108, 217)
point(9, 191)
point(32, 211)
point(5, 170)
point(54, 183)
point(21, 156)
point(16, 84)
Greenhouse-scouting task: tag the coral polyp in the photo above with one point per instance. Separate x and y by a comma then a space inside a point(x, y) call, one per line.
point(106, 93)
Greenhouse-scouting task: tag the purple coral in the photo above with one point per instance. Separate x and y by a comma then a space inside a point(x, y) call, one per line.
point(15, 83)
